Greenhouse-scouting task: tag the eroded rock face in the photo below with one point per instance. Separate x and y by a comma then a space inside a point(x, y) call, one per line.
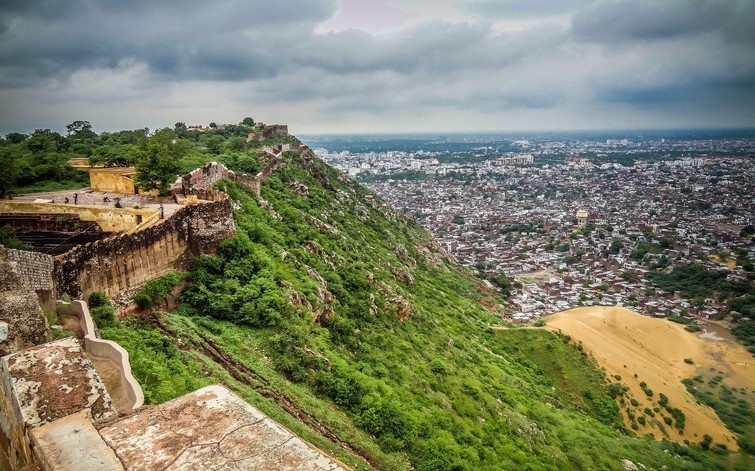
point(54, 380)
point(22, 323)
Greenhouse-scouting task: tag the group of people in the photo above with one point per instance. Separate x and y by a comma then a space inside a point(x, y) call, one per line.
point(68, 200)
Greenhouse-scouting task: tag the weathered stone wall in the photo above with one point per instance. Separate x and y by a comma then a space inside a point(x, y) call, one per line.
point(14, 454)
point(33, 269)
point(202, 179)
point(22, 323)
point(127, 261)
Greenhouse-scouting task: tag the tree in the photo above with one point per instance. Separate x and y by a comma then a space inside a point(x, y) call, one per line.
point(78, 127)
point(214, 143)
point(44, 140)
point(616, 246)
point(159, 161)
point(114, 156)
point(15, 137)
point(180, 129)
point(213, 125)
point(9, 169)
point(247, 121)
point(503, 282)
point(235, 143)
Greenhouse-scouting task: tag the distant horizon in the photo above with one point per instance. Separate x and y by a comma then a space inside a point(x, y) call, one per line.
point(533, 131)
point(740, 129)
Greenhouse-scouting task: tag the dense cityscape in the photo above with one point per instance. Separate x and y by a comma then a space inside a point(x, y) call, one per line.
point(580, 222)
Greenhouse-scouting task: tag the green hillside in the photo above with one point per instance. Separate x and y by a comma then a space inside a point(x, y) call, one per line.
point(344, 321)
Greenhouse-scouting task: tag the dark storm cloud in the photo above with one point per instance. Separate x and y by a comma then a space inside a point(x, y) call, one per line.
point(227, 40)
point(653, 20)
point(433, 48)
point(498, 60)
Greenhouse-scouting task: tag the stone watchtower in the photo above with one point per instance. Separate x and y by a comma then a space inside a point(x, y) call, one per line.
point(582, 217)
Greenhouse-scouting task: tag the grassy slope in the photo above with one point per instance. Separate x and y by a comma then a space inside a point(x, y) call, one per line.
point(440, 390)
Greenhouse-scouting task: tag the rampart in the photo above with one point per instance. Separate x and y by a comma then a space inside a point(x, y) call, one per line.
point(109, 219)
point(199, 182)
point(34, 271)
point(127, 261)
point(32, 267)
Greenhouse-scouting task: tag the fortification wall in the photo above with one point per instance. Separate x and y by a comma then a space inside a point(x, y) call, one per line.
point(34, 269)
point(127, 261)
point(203, 178)
point(109, 219)
point(200, 181)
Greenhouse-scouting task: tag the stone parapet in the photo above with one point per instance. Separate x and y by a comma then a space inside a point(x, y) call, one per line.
point(108, 349)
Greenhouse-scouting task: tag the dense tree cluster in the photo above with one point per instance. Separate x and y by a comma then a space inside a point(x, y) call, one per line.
point(39, 161)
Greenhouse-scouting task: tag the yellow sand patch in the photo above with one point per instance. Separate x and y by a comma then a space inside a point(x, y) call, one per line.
point(729, 262)
point(626, 343)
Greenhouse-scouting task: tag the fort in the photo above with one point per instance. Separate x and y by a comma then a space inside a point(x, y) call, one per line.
point(72, 403)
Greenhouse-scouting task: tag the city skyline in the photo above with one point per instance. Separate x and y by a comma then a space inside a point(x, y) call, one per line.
point(359, 66)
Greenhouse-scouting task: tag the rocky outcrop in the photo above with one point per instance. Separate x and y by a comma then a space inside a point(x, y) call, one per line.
point(22, 323)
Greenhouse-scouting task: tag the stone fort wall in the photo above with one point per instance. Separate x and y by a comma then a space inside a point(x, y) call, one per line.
point(34, 271)
point(33, 268)
point(127, 261)
point(200, 181)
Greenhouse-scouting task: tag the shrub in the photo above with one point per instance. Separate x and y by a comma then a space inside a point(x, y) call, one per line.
point(662, 400)
point(689, 361)
point(156, 291)
point(97, 299)
point(103, 316)
point(707, 440)
point(437, 366)
point(693, 327)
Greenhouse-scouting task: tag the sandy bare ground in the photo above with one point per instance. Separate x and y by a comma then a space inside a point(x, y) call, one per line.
point(627, 344)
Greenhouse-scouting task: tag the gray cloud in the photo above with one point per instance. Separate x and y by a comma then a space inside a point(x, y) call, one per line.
point(520, 8)
point(226, 40)
point(653, 20)
point(128, 62)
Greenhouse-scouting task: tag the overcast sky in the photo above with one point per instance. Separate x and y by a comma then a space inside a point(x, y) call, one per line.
point(330, 66)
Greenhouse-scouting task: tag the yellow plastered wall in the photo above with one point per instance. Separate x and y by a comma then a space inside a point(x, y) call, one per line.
point(111, 182)
point(108, 218)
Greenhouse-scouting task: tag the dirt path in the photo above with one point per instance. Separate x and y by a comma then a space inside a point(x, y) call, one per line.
point(643, 349)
